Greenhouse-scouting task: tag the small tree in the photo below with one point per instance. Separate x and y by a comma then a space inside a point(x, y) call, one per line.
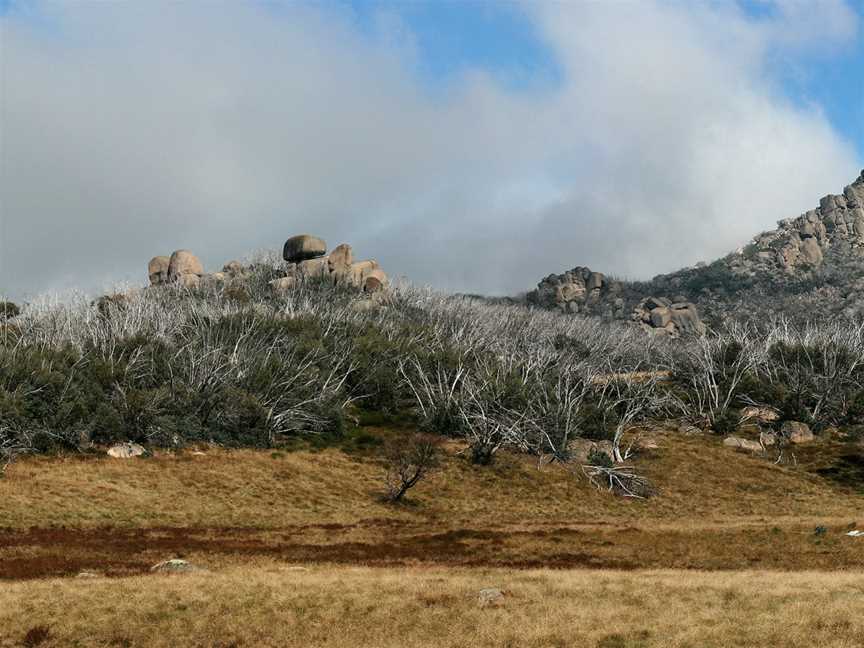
point(407, 461)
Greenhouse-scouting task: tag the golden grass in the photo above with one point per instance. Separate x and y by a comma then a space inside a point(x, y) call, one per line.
point(275, 605)
point(701, 484)
point(717, 509)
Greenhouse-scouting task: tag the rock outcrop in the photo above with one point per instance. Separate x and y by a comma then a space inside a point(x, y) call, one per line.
point(810, 268)
point(802, 243)
point(307, 258)
point(661, 315)
point(181, 267)
point(582, 290)
point(576, 290)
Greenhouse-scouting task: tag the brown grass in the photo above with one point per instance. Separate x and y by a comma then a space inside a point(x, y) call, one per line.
point(700, 483)
point(381, 575)
point(271, 605)
point(717, 509)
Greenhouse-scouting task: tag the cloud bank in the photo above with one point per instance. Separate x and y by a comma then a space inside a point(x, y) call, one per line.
point(132, 130)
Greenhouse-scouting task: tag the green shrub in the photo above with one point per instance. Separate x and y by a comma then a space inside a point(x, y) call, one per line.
point(8, 310)
point(600, 458)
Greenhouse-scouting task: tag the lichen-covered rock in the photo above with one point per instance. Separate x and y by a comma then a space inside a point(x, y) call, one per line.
point(303, 247)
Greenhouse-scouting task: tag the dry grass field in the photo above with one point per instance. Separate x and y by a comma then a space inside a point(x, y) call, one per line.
point(725, 555)
point(272, 605)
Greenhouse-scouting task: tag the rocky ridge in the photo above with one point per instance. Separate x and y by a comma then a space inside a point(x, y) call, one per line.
point(810, 267)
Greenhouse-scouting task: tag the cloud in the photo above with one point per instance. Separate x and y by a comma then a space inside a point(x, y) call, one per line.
point(132, 130)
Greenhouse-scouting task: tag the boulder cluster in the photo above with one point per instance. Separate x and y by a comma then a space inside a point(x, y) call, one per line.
point(664, 316)
point(575, 290)
point(307, 258)
point(801, 244)
point(581, 290)
point(181, 267)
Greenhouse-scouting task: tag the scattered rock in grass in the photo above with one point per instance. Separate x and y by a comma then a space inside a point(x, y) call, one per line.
point(797, 432)
point(759, 414)
point(491, 596)
point(647, 443)
point(689, 430)
point(580, 449)
point(126, 450)
point(175, 566)
point(744, 444)
point(855, 534)
point(768, 439)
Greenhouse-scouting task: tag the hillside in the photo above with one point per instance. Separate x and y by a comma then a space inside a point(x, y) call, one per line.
point(809, 268)
point(303, 541)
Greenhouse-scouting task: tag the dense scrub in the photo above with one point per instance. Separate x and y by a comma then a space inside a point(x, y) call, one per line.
point(236, 365)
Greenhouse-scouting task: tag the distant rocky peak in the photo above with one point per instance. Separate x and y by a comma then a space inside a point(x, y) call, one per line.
point(801, 244)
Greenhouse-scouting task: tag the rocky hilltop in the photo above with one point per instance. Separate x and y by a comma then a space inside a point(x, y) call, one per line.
point(305, 258)
point(810, 267)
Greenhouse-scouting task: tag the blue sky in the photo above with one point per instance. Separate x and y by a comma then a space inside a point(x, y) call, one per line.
point(454, 36)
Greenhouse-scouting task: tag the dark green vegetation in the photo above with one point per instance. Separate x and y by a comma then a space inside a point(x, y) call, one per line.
point(235, 365)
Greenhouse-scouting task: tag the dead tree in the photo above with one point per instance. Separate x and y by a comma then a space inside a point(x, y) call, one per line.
point(407, 461)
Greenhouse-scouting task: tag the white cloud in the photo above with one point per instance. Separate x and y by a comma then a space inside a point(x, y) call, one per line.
point(131, 130)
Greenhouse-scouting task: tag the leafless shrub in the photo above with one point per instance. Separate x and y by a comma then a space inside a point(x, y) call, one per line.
point(619, 479)
point(407, 462)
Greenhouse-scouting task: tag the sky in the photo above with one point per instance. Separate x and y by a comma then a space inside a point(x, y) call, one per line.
point(472, 146)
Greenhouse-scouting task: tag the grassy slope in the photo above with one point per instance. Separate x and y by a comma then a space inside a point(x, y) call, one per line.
point(250, 516)
point(718, 508)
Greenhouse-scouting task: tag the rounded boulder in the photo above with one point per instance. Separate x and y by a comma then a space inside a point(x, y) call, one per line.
point(183, 262)
point(303, 247)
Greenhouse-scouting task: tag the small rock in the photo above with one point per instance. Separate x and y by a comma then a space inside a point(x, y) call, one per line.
point(126, 450)
point(744, 444)
point(647, 443)
point(174, 566)
point(760, 414)
point(797, 432)
point(86, 574)
point(491, 596)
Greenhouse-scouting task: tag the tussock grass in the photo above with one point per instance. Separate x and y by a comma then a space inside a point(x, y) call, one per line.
point(275, 605)
point(227, 508)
